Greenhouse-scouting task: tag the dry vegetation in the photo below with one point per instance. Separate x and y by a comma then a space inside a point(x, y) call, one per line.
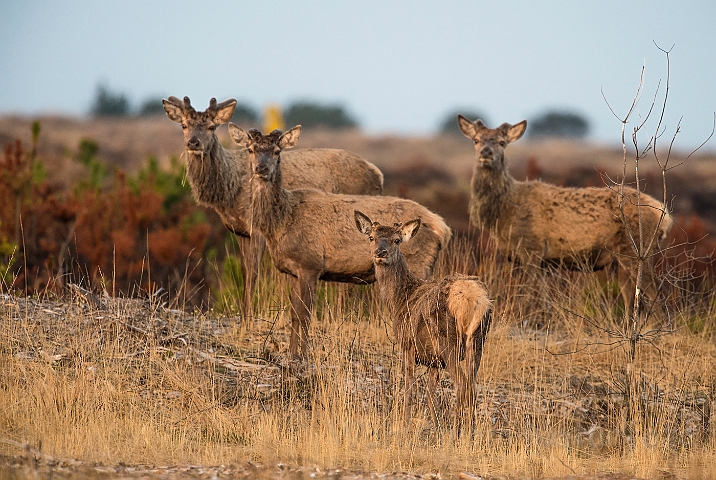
point(112, 381)
point(113, 386)
point(434, 171)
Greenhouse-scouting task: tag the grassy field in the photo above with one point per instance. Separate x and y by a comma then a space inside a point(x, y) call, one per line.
point(100, 385)
point(94, 385)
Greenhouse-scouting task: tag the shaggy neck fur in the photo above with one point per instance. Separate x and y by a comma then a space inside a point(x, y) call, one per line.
point(270, 203)
point(215, 178)
point(491, 196)
point(397, 285)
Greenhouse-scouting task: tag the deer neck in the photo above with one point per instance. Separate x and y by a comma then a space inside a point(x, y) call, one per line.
point(397, 285)
point(270, 207)
point(492, 196)
point(216, 178)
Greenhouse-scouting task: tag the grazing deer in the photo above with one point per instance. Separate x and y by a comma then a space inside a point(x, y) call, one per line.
point(310, 235)
point(567, 227)
point(437, 323)
point(219, 177)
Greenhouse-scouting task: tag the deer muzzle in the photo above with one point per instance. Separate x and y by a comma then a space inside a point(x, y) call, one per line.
point(193, 144)
point(263, 166)
point(262, 170)
point(486, 153)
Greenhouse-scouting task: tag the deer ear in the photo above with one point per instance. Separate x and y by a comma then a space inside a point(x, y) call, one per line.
point(409, 229)
point(516, 131)
point(467, 127)
point(238, 135)
point(224, 111)
point(290, 138)
point(174, 111)
point(365, 226)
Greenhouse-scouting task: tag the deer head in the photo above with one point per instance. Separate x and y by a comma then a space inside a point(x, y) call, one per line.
point(490, 143)
point(385, 240)
point(265, 150)
point(199, 127)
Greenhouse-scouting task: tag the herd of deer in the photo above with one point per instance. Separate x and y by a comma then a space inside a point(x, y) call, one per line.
point(313, 208)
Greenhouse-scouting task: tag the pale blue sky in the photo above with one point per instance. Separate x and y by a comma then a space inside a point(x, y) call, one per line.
point(398, 66)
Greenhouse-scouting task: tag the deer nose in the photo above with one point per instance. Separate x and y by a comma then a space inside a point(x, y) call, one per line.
point(262, 169)
point(193, 144)
point(486, 152)
point(381, 252)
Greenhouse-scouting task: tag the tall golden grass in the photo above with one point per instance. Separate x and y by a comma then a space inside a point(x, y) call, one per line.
point(111, 380)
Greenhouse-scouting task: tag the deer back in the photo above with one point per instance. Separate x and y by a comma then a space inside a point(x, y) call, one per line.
point(319, 231)
point(558, 223)
point(330, 170)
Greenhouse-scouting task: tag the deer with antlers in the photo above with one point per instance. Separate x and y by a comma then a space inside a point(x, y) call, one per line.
point(310, 233)
point(219, 177)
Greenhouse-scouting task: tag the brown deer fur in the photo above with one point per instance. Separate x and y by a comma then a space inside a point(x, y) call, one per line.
point(310, 234)
point(436, 323)
point(219, 177)
point(568, 227)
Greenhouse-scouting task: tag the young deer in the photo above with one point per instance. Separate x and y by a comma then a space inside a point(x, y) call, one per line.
point(436, 323)
point(219, 177)
point(567, 227)
point(310, 234)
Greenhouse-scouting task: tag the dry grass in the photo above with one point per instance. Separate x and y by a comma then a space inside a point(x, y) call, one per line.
point(117, 380)
point(135, 382)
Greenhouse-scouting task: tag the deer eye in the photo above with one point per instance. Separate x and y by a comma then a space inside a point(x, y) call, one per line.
point(212, 127)
point(503, 143)
point(397, 241)
point(251, 150)
point(370, 237)
point(183, 126)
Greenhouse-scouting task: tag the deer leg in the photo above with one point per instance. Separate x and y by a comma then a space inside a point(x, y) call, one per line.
point(473, 354)
point(303, 295)
point(252, 249)
point(473, 357)
point(475, 345)
point(452, 365)
point(408, 380)
point(433, 373)
point(295, 301)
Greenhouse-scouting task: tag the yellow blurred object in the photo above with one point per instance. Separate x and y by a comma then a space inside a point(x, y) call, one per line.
point(273, 119)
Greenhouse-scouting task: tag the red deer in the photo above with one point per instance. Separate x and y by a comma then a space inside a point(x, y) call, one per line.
point(567, 227)
point(219, 177)
point(310, 233)
point(436, 323)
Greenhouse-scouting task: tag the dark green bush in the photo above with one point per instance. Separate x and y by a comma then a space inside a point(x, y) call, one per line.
point(245, 114)
point(558, 124)
point(311, 114)
point(151, 107)
point(109, 104)
point(449, 123)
